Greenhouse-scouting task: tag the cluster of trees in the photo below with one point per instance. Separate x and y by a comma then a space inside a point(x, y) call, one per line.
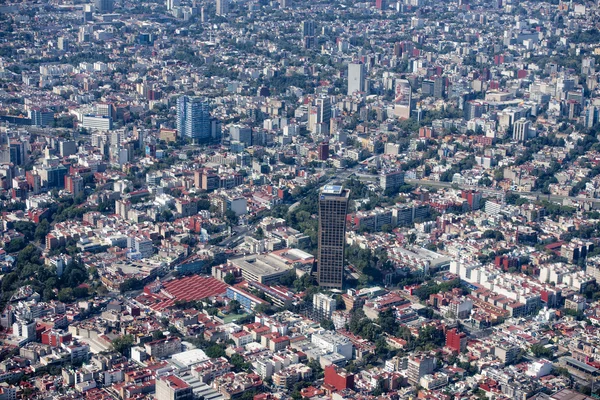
point(463, 165)
point(131, 284)
point(424, 291)
point(370, 263)
point(429, 336)
point(30, 270)
point(493, 234)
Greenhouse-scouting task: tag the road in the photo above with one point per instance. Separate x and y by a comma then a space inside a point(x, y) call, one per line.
point(241, 232)
point(498, 192)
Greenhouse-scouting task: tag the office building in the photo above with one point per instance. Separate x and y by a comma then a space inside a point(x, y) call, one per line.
point(242, 134)
point(141, 247)
point(222, 7)
point(521, 130)
point(97, 123)
point(63, 44)
point(391, 180)
point(324, 113)
point(403, 99)
point(265, 269)
point(591, 116)
point(41, 116)
point(333, 207)
point(439, 87)
point(193, 119)
point(171, 4)
point(67, 148)
point(356, 78)
point(308, 28)
point(53, 176)
point(88, 13)
point(333, 343)
point(323, 151)
point(104, 110)
point(105, 6)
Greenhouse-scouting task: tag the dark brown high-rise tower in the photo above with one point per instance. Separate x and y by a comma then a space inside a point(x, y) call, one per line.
point(333, 207)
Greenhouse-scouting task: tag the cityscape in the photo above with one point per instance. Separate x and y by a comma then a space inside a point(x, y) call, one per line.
point(299, 200)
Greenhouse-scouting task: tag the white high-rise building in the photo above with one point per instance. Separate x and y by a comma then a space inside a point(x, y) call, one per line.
point(521, 130)
point(324, 304)
point(356, 78)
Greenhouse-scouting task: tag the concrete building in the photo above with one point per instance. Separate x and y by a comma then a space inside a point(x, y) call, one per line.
point(333, 207)
point(97, 123)
point(418, 367)
point(170, 387)
point(506, 353)
point(222, 7)
point(356, 78)
point(391, 180)
point(193, 118)
point(324, 304)
point(521, 130)
point(333, 343)
point(265, 269)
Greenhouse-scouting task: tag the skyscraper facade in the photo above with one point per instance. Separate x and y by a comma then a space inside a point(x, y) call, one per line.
point(222, 7)
point(333, 207)
point(193, 118)
point(105, 6)
point(356, 78)
point(403, 99)
point(308, 28)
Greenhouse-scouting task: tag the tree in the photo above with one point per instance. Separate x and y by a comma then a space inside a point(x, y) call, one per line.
point(260, 234)
point(238, 362)
point(65, 295)
point(156, 335)
point(15, 245)
point(234, 306)
point(540, 351)
point(26, 228)
point(229, 278)
point(327, 324)
point(131, 284)
point(122, 344)
point(215, 351)
point(263, 308)
point(231, 217)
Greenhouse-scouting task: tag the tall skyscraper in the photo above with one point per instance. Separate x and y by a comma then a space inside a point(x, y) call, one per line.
point(308, 28)
point(193, 118)
point(222, 7)
point(172, 4)
point(356, 78)
point(403, 99)
point(105, 6)
point(591, 116)
point(333, 207)
point(324, 114)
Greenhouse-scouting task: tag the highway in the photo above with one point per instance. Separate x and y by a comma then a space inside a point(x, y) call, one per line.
point(497, 192)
